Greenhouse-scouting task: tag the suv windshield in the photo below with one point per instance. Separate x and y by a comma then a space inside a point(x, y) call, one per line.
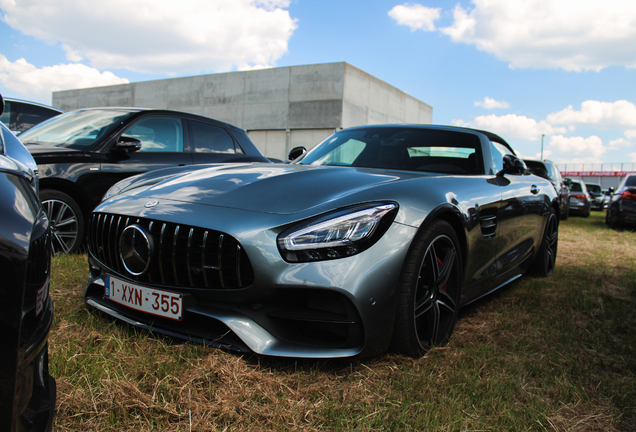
point(76, 129)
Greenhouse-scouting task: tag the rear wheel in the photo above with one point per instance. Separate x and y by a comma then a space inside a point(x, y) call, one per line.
point(67, 222)
point(429, 291)
point(545, 262)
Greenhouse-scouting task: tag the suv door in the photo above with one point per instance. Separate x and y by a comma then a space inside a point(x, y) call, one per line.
point(212, 144)
point(162, 146)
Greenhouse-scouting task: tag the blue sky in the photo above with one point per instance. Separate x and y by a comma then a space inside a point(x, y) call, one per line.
point(565, 69)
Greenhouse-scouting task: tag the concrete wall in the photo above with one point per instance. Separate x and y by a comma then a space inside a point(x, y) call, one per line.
point(368, 100)
point(279, 107)
point(269, 142)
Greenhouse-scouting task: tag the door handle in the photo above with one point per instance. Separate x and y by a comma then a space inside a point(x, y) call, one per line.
point(534, 189)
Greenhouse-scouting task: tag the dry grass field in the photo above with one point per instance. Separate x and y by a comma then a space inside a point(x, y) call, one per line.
point(556, 354)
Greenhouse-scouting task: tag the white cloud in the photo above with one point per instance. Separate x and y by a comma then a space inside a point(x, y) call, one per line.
point(619, 114)
point(160, 36)
point(490, 103)
point(619, 143)
point(573, 35)
point(513, 126)
point(415, 16)
point(72, 55)
point(632, 157)
point(38, 84)
point(578, 149)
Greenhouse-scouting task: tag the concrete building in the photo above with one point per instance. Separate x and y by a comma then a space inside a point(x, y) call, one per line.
point(281, 108)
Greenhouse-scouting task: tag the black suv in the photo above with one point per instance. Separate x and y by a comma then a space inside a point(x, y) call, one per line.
point(548, 170)
point(82, 153)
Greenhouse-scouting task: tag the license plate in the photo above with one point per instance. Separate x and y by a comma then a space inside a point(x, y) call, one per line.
point(162, 303)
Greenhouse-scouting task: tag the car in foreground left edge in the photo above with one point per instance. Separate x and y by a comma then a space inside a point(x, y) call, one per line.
point(27, 391)
point(371, 241)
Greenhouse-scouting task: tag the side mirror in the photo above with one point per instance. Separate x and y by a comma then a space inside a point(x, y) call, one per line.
point(513, 165)
point(127, 144)
point(296, 152)
point(567, 181)
point(611, 190)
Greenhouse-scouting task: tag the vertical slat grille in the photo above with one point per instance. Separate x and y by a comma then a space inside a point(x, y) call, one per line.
point(38, 261)
point(183, 256)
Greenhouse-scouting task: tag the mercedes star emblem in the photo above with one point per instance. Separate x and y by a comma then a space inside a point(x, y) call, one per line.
point(135, 249)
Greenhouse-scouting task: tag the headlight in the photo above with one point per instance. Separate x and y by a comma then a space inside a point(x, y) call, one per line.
point(336, 235)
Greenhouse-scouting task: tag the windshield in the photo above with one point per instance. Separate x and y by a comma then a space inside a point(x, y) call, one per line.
point(592, 188)
point(76, 129)
point(400, 148)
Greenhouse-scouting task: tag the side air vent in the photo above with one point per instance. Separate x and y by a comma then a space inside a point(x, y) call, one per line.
point(488, 226)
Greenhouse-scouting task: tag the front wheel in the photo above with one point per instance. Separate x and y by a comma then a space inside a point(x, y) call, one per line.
point(545, 262)
point(429, 291)
point(66, 220)
point(610, 219)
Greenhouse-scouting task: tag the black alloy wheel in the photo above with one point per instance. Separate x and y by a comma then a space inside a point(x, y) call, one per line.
point(66, 220)
point(545, 262)
point(429, 291)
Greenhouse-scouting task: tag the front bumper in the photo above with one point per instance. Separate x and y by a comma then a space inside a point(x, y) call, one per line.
point(597, 205)
point(326, 309)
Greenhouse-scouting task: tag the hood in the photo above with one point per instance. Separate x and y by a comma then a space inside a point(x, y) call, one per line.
point(42, 149)
point(270, 188)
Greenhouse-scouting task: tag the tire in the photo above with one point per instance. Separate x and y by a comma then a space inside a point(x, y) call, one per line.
point(610, 219)
point(66, 219)
point(566, 214)
point(429, 291)
point(587, 213)
point(545, 262)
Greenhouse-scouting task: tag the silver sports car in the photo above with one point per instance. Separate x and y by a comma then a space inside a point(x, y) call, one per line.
point(370, 241)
